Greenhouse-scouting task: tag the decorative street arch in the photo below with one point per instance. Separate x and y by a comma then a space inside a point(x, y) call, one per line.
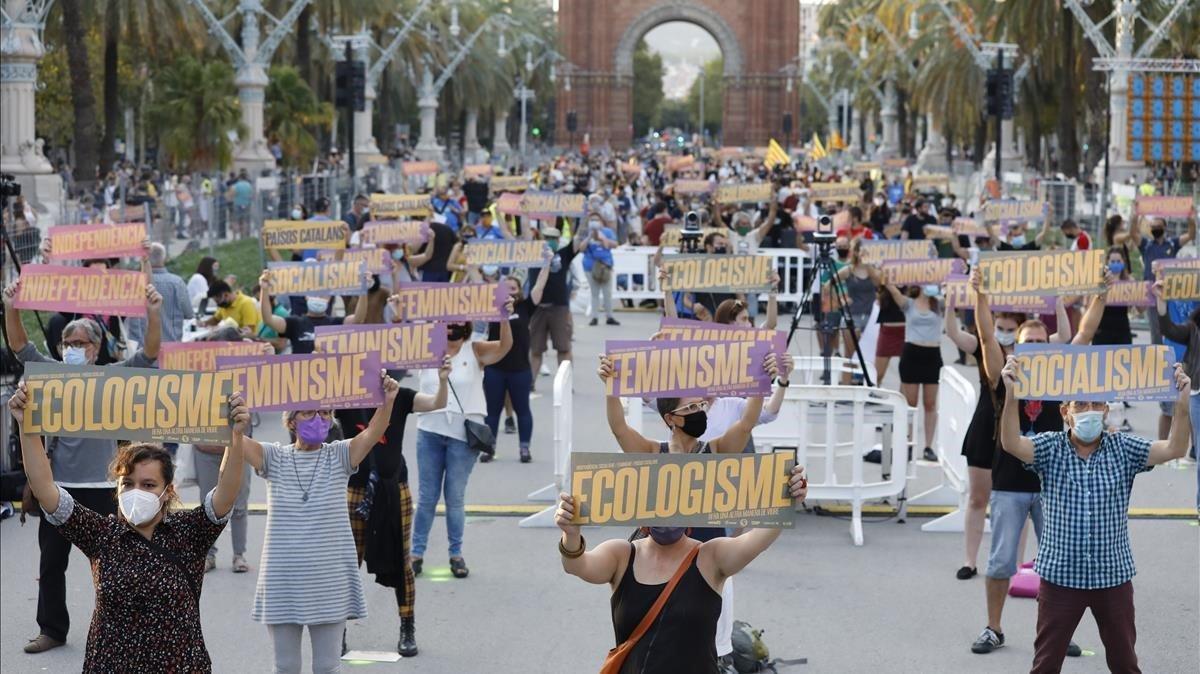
point(756, 38)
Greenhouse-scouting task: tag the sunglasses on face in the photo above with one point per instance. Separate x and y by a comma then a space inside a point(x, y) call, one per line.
point(691, 408)
point(308, 414)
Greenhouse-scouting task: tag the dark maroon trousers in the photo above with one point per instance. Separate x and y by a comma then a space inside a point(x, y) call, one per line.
point(1059, 612)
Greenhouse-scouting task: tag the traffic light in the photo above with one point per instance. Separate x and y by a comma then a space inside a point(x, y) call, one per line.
point(999, 100)
point(572, 121)
point(536, 132)
point(350, 84)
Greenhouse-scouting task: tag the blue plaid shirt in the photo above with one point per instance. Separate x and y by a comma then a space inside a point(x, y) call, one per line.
point(1085, 504)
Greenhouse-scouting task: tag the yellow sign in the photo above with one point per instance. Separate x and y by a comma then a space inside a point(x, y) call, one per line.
point(508, 184)
point(1094, 373)
point(303, 234)
point(391, 206)
point(876, 252)
point(718, 273)
point(1052, 272)
point(347, 277)
point(842, 192)
point(700, 490)
point(506, 253)
point(744, 193)
point(693, 187)
point(1011, 211)
point(1180, 283)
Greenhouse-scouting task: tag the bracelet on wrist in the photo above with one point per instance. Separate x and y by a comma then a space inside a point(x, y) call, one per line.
point(572, 554)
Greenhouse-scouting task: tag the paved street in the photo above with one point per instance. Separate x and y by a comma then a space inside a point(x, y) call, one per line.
point(891, 605)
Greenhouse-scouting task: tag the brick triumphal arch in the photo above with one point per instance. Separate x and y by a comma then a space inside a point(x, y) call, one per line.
point(757, 38)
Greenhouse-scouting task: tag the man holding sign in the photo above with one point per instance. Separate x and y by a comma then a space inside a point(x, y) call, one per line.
point(1084, 560)
point(80, 465)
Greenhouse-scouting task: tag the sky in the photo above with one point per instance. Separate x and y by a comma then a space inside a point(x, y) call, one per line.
point(684, 47)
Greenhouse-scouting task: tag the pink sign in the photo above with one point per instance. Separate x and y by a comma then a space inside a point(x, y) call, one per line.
point(82, 290)
point(90, 242)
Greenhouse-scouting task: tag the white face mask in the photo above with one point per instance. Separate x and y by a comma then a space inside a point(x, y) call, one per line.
point(297, 214)
point(74, 355)
point(317, 305)
point(1006, 337)
point(140, 506)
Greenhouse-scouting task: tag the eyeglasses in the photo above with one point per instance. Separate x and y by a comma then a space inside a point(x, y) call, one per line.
point(1034, 341)
point(691, 408)
point(1089, 406)
point(308, 414)
point(77, 344)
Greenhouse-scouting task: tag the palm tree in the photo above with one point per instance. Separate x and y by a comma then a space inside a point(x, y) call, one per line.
point(293, 114)
point(82, 99)
point(194, 111)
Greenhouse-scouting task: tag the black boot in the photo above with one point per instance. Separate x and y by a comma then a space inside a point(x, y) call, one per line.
point(407, 645)
point(344, 649)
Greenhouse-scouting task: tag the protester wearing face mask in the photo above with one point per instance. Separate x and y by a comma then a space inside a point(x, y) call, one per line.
point(1086, 561)
point(1184, 333)
point(148, 561)
point(433, 257)
point(300, 331)
point(309, 576)
point(703, 305)
point(359, 213)
point(1016, 494)
point(444, 457)
point(207, 272)
point(234, 305)
point(598, 264)
point(553, 321)
point(682, 639)
point(456, 264)
point(879, 214)
point(80, 465)
point(1017, 238)
point(921, 359)
point(1114, 324)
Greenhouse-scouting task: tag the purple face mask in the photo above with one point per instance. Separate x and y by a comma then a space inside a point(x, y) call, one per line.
point(313, 431)
point(666, 535)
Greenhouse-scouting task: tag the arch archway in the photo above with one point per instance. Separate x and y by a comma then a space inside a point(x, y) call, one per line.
point(599, 38)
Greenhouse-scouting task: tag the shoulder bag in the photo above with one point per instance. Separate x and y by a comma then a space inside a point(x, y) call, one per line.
point(479, 437)
point(616, 656)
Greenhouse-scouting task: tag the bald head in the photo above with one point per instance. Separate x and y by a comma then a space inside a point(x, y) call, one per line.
point(158, 255)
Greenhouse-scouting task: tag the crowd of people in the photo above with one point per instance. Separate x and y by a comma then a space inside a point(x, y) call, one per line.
point(1028, 460)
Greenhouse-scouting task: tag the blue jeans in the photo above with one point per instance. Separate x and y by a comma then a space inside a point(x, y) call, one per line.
point(444, 466)
point(496, 383)
point(1194, 408)
point(1009, 510)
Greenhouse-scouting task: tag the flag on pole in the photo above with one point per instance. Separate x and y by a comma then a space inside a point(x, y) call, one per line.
point(836, 142)
point(818, 150)
point(775, 155)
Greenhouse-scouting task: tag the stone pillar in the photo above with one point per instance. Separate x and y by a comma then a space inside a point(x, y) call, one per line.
point(20, 149)
point(427, 147)
point(500, 144)
point(364, 139)
point(932, 158)
point(471, 147)
point(251, 152)
point(891, 124)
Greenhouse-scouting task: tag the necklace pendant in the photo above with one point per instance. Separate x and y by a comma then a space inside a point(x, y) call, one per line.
point(304, 498)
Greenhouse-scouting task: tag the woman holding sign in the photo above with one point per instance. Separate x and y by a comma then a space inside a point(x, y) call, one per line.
point(921, 359)
point(690, 572)
point(309, 575)
point(147, 563)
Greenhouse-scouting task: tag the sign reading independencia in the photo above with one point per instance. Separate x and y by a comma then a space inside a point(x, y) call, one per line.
point(202, 356)
point(1049, 272)
point(347, 277)
point(718, 273)
point(399, 346)
point(659, 369)
point(450, 302)
point(683, 490)
point(125, 403)
point(90, 242)
point(306, 382)
point(82, 290)
point(1100, 373)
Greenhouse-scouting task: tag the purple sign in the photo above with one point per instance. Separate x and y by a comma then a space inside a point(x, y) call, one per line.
point(318, 381)
point(406, 346)
point(687, 330)
point(660, 369)
point(449, 302)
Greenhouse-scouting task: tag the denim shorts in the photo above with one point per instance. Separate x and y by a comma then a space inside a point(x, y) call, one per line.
point(1009, 510)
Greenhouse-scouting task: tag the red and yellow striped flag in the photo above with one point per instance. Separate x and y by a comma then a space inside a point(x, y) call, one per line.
point(775, 155)
point(818, 150)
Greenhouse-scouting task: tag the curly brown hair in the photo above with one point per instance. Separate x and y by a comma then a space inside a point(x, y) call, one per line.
point(131, 455)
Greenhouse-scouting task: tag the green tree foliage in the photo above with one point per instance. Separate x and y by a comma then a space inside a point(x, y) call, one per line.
point(714, 97)
point(647, 89)
point(194, 110)
point(294, 115)
point(673, 114)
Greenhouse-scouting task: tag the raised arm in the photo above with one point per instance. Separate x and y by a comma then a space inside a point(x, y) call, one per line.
point(1011, 438)
point(230, 481)
point(595, 566)
point(1063, 334)
point(734, 440)
point(1179, 437)
point(985, 328)
point(276, 323)
point(1135, 231)
point(426, 402)
point(490, 353)
point(669, 308)
point(1170, 329)
point(33, 455)
point(1095, 311)
point(360, 308)
point(898, 297)
point(629, 440)
point(153, 323)
point(361, 444)
point(539, 284)
point(965, 341)
point(15, 329)
point(773, 303)
point(731, 555)
point(775, 403)
point(1190, 235)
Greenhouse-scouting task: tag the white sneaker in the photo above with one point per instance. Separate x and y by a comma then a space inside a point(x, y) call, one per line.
point(545, 371)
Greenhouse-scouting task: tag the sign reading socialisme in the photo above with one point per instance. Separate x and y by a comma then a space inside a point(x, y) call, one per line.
point(659, 369)
point(718, 273)
point(507, 253)
point(347, 277)
point(553, 204)
point(126, 403)
point(876, 252)
point(1050, 272)
point(1094, 373)
point(306, 382)
point(406, 346)
point(683, 490)
point(82, 290)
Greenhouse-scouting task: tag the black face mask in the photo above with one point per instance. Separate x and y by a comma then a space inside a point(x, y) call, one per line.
point(720, 250)
point(225, 305)
point(843, 253)
point(695, 424)
point(458, 332)
point(1158, 233)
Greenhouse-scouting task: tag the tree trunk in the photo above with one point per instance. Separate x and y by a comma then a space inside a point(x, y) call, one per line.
point(981, 140)
point(304, 46)
point(82, 99)
point(1068, 141)
point(112, 101)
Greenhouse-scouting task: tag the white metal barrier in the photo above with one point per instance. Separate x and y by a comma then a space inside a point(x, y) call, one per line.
point(956, 406)
point(563, 421)
point(808, 370)
point(631, 261)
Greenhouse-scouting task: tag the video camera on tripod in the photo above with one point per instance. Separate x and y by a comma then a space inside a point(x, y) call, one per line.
point(689, 238)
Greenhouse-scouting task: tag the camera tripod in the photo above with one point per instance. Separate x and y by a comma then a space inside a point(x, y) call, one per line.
point(824, 263)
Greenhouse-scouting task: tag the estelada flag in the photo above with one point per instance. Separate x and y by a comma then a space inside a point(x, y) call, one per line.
point(775, 155)
point(836, 142)
point(818, 150)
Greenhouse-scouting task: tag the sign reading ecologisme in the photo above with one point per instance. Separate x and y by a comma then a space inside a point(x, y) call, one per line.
point(449, 302)
point(314, 381)
point(718, 273)
point(1049, 272)
point(1008, 211)
point(921, 272)
point(1094, 373)
point(126, 403)
point(745, 193)
point(960, 295)
point(407, 346)
point(877, 252)
point(82, 290)
point(658, 368)
point(507, 253)
point(389, 206)
point(394, 231)
point(553, 204)
point(303, 234)
point(202, 356)
point(90, 242)
point(347, 277)
point(1180, 283)
point(683, 490)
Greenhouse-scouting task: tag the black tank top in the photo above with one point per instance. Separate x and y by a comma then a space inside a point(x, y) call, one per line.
point(682, 638)
point(699, 533)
